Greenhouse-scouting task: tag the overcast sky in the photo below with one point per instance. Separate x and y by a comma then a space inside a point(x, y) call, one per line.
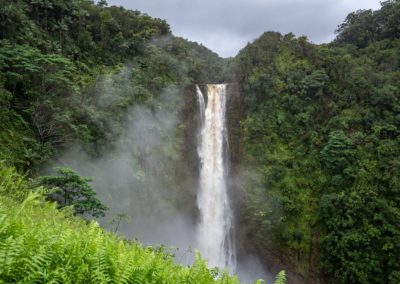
point(226, 26)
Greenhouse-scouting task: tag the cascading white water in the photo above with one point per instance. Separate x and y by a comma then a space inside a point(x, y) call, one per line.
point(202, 106)
point(214, 230)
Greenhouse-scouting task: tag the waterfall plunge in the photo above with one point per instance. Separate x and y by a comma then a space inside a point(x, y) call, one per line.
point(214, 230)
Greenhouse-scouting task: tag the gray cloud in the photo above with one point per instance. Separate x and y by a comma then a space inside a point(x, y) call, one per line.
point(225, 26)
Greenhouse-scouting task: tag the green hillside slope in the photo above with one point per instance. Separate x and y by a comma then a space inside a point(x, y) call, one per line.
point(322, 145)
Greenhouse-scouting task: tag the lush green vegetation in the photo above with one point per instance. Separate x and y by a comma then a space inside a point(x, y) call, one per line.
point(70, 189)
point(322, 130)
point(56, 55)
point(42, 244)
point(320, 139)
point(70, 73)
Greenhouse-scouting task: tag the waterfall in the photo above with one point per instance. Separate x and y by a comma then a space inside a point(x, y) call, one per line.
point(200, 100)
point(215, 226)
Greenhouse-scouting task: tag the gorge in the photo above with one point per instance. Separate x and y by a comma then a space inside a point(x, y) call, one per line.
point(295, 161)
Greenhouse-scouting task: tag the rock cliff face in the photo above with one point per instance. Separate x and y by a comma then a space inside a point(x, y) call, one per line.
point(234, 115)
point(190, 124)
point(189, 131)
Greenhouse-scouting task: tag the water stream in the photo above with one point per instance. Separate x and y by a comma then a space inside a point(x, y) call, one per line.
point(214, 235)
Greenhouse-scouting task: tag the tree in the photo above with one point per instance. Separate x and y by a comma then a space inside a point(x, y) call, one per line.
point(70, 189)
point(337, 154)
point(102, 3)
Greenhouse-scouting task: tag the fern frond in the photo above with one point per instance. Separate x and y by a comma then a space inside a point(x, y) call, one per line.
point(280, 278)
point(41, 244)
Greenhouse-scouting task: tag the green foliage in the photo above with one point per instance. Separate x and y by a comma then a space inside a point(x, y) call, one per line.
point(41, 244)
point(11, 183)
point(280, 278)
point(337, 154)
point(70, 189)
point(79, 29)
point(362, 225)
point(70, 70)
point(321, 134)
point(365, 26)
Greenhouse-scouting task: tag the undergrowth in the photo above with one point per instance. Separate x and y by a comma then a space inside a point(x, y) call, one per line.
point(42, 244)
point(39, 243)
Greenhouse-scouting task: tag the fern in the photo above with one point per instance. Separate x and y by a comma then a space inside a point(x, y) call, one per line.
point(10, 251)
point(138, 276)
point(41, 244)
point(280, 278)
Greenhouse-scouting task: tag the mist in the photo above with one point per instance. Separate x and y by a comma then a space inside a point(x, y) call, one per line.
point(140, 176)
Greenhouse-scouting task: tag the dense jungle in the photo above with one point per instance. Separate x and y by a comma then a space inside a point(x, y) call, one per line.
point(99, 116)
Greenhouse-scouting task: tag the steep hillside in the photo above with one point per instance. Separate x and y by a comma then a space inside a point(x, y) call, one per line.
point(79, 74)
point(314, 132)
point(321, 145)
point(70, 71)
